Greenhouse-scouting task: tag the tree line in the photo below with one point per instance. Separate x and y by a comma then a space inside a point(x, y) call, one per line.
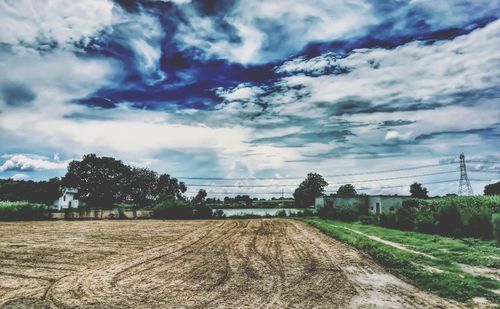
point(104, 182)
point(314, 185)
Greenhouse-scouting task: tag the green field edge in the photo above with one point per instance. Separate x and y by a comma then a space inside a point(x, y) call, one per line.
point(451, 283)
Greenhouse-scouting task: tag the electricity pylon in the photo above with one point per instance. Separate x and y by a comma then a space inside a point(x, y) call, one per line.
point(464, 187)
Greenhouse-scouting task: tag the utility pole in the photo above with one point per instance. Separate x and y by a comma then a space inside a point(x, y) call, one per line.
point(464, 187)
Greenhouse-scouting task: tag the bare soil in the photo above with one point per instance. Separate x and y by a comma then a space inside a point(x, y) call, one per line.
point(192, 264)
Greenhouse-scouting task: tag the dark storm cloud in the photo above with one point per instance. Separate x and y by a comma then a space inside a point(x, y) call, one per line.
point(492, 132)
point(16, 95)
point(299, 139)
point(97, 102)
point(395, 123)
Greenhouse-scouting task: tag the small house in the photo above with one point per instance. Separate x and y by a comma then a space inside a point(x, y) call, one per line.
point(375, 204)
point(67, 199)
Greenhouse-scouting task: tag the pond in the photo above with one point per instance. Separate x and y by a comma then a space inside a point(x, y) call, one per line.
point(259, 211)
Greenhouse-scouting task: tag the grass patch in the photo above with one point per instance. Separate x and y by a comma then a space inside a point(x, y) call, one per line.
point(10, 211)
point(451, 282)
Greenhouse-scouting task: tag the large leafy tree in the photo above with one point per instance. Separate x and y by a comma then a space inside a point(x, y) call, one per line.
point(347, 190)
point(312, 187)
point(418, 191)
point(170, 187)
point(492, 189)
point(142, 184)
point(101, 181)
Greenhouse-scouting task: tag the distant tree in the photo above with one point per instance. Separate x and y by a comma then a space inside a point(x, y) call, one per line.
point(492, 189)
point(101, 181)
point(200, 197)
point(172, 208)
point(312, 187)
point(418, 191)
point(45, 192)
point(244, 199)
point(142, 183)
point(346, 191)
point(201, 210)
point(170, 187)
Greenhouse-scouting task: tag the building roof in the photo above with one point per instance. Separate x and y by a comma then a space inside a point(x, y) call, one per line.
point(374, 195)
point(70, 190)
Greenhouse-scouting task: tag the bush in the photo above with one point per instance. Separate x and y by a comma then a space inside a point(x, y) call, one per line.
point(172, 208)
point(304, 213)
point(388, 220)
point(219, 213)
point(326, 212)
point(405, 217)
point(368, 219)
point(21, 211)
point(425, 221)
point(456, 216)
point(202, 211)
point(496, 226)
point(344, 213)
point(449, 221)
point(480, 225)
point(281, 213)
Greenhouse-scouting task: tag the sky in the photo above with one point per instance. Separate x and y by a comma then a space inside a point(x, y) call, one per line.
point(261, 91)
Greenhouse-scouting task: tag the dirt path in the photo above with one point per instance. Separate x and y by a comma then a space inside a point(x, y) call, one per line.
point(192, 264)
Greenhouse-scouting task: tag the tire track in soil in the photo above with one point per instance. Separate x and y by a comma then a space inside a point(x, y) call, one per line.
point(94, 286)
point(83, 281)
point(265, 263)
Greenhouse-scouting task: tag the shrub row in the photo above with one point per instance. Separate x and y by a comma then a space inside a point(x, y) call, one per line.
point(456, 216)
point(10, 211)
point(172, 208)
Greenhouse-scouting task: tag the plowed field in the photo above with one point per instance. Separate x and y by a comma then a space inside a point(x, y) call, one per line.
point(192, 264)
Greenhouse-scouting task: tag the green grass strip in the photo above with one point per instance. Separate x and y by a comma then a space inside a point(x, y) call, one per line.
point(451, 283)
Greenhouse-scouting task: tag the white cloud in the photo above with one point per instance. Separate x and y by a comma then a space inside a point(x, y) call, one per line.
point(20, 177)
point(415, 74)
point(53, 79)
point(34, 26)
point(240, 93)
point(392, 135)
point(64, 22)
point(270, 30)
point(21, 162)
point(143, 33)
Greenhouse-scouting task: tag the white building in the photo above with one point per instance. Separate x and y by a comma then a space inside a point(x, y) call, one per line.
point(373, 204)
point(67, 200)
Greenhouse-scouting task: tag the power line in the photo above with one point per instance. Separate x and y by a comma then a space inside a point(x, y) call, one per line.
point(294, 185)
point(338, 175)
point(333, 175)
point(333, 191)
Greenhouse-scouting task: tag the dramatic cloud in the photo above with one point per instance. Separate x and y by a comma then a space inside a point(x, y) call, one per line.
point(22, 162)
point(259, 31)
point(251, 88)
point(48, 24)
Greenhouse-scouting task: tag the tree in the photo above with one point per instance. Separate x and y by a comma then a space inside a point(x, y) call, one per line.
point(142, 183)
point(417, 191)
point(492, 189)
point(200, 197)
point(201, 210)
point(101, 181)
point(346, 191)
point(168, 186)
point(312, 187)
